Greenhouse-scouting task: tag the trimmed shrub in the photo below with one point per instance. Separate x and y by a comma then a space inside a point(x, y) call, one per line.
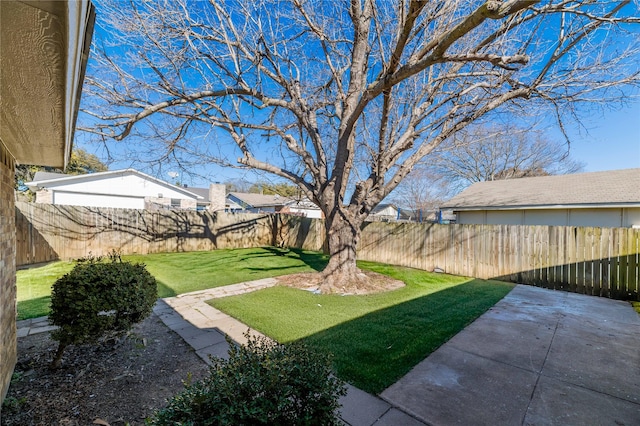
point(262, 383)
point(99, 299)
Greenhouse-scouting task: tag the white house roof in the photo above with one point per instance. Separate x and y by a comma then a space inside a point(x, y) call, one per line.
point(51, 180)
point(613, 188)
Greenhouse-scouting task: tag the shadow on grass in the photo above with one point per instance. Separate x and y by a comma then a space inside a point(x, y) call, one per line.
point(188, 262)
point(375, 350)
point(164, 290)
point(315, 260)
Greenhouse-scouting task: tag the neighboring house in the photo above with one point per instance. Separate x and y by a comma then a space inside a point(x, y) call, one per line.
point(126, 188)
point(391, 212)
point(255, 203)
point(213, 198)
point(259, 203)
point(600, 199)
point(43, 56)
point(445, 217)
point(383, 212)
point(303, 207)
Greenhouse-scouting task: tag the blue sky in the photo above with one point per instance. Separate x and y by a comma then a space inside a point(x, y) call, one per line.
point(612, 141)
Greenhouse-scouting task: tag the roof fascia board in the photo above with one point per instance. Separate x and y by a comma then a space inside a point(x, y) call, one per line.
point(82, 17)
point(544, 207)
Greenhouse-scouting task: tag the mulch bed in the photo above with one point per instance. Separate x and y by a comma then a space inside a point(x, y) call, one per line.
point(114, 383)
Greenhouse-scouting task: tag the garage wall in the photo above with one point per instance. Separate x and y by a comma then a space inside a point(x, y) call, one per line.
point(97, 200)
point(606, 218)
point(631, 217)
point(505, 217)
point(125, 183)
point(546, 217)
point(470, 217)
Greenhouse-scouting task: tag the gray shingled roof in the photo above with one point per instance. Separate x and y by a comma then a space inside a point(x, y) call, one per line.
point(260, 200)
point(203, 192)
point(614, 187)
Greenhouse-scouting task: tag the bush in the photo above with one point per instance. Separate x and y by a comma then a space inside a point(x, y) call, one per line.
point(261, 383)
point(99, 299)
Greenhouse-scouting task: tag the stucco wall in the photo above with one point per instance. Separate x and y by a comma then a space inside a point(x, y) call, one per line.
point(606, 217)
point(8, 342)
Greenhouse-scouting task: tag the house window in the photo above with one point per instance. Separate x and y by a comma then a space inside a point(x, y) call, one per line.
point(175, 203)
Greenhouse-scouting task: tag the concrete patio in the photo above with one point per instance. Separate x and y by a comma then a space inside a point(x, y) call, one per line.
point(538, 357)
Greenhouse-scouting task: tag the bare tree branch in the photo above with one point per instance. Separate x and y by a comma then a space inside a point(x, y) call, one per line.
point(346, 98)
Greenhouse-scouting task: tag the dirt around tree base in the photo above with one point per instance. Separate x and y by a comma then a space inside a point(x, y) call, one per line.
point(117, 384)
point(368, 283)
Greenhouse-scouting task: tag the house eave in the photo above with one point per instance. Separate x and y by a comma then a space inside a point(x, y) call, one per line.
point(544, 207)
point(45, 48)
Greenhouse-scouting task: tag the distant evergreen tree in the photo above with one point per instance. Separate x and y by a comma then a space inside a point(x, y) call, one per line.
point(80, 163)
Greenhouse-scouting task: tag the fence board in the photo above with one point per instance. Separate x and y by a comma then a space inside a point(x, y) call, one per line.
point(633, 253)
point(572, 255)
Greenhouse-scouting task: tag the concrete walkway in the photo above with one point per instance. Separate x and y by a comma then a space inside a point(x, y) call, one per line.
point(538, 357)
point(204, 328)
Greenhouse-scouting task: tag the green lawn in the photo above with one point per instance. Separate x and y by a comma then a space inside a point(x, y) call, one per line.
point(34, 288)
point(177, 273)
point(375, 339)
point(636, 306)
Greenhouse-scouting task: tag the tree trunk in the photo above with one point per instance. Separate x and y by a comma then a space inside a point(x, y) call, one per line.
point(341, 274)
point(55, 363)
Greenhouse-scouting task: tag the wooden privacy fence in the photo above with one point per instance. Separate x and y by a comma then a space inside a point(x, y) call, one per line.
point(47, 232)
point(595, 261)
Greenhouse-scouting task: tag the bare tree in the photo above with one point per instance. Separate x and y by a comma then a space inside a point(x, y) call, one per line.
point(344, 98)
point(422, 190)
point(480, 154)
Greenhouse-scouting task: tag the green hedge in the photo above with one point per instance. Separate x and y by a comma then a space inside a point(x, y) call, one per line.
point(99, 299)
point(262, 383)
